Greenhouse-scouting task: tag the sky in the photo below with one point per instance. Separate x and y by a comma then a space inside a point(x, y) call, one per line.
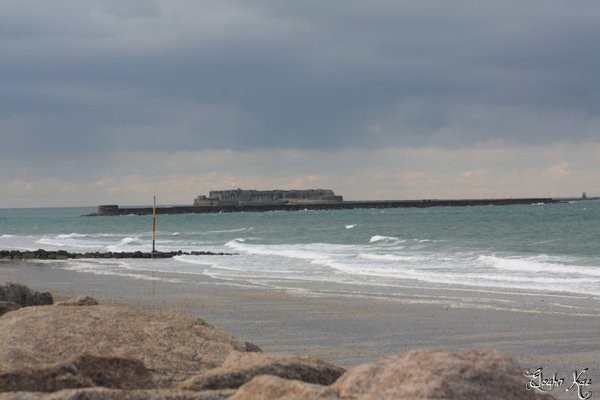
point(112, 101)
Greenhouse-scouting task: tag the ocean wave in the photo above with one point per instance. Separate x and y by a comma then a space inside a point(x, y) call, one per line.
point(71, 235)
point(386, 239)
point(326, 254)
point(231, 230)
point(388, 257)
point(541, 264)
point(50, 242)
point(305, 252)
point(128, 243)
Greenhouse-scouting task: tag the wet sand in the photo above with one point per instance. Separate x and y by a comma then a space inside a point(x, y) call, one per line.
point(346, 331)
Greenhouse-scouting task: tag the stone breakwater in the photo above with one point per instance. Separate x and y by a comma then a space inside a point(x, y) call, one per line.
point(65, 255)
point(79, 349)
point(114, 210)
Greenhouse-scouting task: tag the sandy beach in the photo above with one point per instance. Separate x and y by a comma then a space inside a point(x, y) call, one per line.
point(345, 331)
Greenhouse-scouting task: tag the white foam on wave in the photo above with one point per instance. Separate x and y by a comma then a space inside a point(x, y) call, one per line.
point(541, 264)
point(311, 252)
point(307, 251)
point(231, 230)
point(350, 226)
point(76, 235)
point(71, 235)
point(387, 257)
point(382, 238)
point(50, 242)
point(385, 240)
point(463, 270)
point(80, 241)
point(375, 271)
point(127, 243)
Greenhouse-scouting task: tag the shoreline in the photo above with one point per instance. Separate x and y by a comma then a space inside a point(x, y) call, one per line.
point(341, 330)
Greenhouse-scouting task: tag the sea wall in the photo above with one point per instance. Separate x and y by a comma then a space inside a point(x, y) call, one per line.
point(113, 210)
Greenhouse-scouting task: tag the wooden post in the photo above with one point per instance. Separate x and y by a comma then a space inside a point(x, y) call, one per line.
point(154, 227)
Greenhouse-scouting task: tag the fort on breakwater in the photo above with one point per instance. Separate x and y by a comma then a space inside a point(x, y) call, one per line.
point(239, 200)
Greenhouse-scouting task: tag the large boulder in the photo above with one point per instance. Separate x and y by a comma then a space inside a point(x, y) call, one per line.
point(434, 374)
point(239, 368)
point(173, 346)
point(22, 295)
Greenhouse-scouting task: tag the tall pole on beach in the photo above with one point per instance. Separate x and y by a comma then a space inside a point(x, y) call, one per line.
point(154, 227)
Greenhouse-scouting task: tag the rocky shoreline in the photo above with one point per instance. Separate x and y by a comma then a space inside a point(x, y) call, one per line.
point(41, 254)
point(78, 349)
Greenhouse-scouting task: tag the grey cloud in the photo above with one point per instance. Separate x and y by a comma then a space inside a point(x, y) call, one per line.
point(95, 76)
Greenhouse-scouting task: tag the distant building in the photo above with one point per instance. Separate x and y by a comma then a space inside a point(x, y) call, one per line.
point(239, 197)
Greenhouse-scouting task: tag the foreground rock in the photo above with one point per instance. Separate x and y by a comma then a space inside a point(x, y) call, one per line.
point(436, 374)
point(173, 346)
point(239, 368)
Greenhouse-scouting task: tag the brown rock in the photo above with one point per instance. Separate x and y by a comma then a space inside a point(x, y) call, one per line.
point(239, 368)
point(173, 346)
point(79, 372)
point(6, 306)
point(79, 301)
point(267, 387)
point(434, 374)
point(114, 372)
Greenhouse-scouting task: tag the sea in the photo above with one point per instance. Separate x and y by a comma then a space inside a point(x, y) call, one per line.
point(496, 257)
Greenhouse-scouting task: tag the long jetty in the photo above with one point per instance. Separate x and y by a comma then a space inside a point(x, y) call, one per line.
point(114, 210)
point(41, 254)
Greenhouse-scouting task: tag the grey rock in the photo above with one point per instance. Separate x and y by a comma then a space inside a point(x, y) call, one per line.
point(79, 301)
point(7, 306)
point(22, 295)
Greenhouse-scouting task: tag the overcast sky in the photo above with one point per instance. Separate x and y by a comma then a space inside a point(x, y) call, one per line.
point(115, 101)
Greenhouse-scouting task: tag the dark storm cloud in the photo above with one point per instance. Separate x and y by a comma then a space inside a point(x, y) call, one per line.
point(87, 76)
